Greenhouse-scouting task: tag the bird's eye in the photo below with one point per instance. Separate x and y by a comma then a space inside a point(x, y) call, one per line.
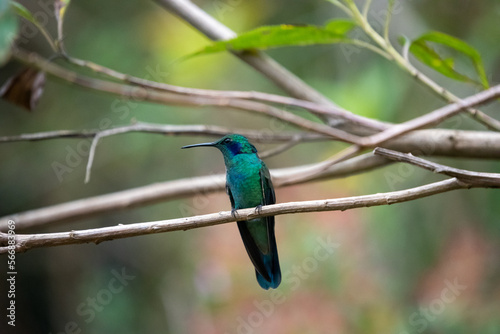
point(227, 140)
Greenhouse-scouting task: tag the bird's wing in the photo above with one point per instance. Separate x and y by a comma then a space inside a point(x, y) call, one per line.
point(268, 196)
point(251, 247)
point(271, 259)
point(228, 191)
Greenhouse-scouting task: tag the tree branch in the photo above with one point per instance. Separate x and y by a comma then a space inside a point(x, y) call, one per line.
point(475, 144)
point(318, 169)
point(170, 130)
point(145, 94)
point(28, 241)
point(314, 108)
point(431, 118)
point(215, 30)
point(169, 98)
point(443, 142)
point(152, 95)
point(461, 179)
point(472, 178)
point(162, 191)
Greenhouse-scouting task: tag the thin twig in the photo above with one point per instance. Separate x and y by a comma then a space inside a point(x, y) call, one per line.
point(370, 47)
point(97, 235)
point(454, 143)
point(282, 148)
point(485, 119)
point(470, 177)
point(431, 118)
point(146, 94)
point(293, 139)
point(406, 49)
point(366, 8)
point(93, 146)
point(325, 109)
point(169, 130)
point(341, 6)
point(315, 108)
point(318, 169)
point(58, 10)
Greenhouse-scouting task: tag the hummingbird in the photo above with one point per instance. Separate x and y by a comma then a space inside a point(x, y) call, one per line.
point(248, 185)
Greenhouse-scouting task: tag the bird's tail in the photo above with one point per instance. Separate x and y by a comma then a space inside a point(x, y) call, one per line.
point(272, 265)
point(265, 260)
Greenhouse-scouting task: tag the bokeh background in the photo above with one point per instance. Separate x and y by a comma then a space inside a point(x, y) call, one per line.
point(428, 266)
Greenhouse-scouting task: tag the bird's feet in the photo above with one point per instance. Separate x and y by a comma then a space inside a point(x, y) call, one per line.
point(234, 214)
point(258, 209)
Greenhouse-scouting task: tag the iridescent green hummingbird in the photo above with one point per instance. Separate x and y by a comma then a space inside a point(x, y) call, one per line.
point(248, 185)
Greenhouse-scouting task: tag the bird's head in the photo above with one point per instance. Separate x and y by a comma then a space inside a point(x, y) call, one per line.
point(230, 145)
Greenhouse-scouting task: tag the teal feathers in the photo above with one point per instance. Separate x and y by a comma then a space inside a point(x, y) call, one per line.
point(248, 184)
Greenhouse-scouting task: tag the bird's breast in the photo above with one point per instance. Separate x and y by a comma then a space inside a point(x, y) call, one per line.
point(245, 186)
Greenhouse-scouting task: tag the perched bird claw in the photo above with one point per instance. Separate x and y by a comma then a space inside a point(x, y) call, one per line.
point(258, 209)
point(234, 214)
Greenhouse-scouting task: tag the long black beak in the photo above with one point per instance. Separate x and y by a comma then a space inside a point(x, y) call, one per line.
point(196, 145)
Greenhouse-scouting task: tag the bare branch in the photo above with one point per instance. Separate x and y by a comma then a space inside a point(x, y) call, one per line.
point(320, 168)
point(170, 130)
point(455, 143)
point(146, 94)
point(431, 118)
point(141, 93)
point(315, 108)
point(162, 191)
point(215, 30)
point(282, 148)
point(485, 119)
point(451, 143)
point(472, 178)
point(28, 241)
point(93, 146)
point(293, 139)
point(476, 144)
point(48, 135)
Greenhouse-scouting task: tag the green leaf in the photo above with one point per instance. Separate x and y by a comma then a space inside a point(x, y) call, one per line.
point(23, 12)
point(340, 26)
point(421, 49)
point(266, 37)
point(8, 30)
point(431, 58)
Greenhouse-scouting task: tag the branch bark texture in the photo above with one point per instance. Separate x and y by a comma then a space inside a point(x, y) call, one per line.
point(28, 241)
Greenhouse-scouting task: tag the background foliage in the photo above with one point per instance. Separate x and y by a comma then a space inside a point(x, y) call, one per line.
point(392, 265)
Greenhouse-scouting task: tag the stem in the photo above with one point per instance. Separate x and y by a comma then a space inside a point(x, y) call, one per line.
point(404, 64)
point(366, 8)
point(387, 21)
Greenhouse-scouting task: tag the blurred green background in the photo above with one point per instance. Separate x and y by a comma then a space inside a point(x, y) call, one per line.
point(428, 266)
